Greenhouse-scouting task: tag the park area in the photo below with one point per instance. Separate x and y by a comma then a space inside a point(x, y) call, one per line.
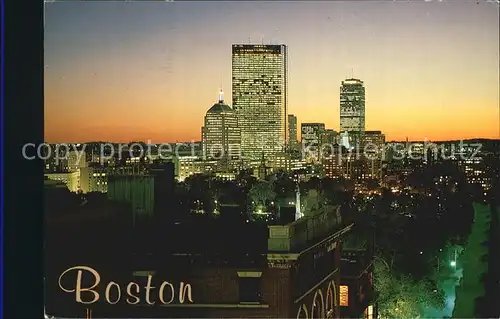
point(474, 263)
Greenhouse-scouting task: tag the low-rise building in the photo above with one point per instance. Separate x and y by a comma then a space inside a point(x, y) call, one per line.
point(94, 179)
point(138, 190)
point(70, 179)
point(224, 268)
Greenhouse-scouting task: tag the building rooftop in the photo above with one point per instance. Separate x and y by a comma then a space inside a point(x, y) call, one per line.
point(50, 183)
point(352, 81)
point(220, 107)
point(355, 262)
point(306, 231)
point(201, 238)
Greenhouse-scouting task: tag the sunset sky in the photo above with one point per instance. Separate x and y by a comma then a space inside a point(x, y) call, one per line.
point(122, 71)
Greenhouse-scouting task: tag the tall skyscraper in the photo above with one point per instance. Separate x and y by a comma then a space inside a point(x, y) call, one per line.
point(260, 85)
point(352, 109)
point(221, 135)
point(292, 132)
point(374, 142)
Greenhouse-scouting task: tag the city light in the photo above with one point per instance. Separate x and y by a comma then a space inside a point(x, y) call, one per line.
point(339, 195)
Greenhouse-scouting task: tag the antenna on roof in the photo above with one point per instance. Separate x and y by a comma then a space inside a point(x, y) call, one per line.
point(221, 93)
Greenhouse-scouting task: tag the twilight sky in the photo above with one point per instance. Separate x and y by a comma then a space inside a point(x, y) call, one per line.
point(122, 71)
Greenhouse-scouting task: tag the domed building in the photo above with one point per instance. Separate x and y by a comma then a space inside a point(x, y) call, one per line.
point(221, 135)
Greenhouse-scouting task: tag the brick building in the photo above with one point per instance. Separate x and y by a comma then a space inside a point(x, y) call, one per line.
point(234, 269)
point(357, 295)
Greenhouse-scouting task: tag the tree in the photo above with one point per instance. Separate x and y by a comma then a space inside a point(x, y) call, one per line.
point(313, 202)
point(284, 186)
point(400, 296)
point(372, 184)
point(262, 193)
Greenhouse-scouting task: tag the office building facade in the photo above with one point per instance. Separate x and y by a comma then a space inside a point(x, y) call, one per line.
point(220, 133)
point(311, 134)
point(352, 110)
point(292, 132)
point(93, 179)
point(375, 141)
point(138, 190)
point(259, 92)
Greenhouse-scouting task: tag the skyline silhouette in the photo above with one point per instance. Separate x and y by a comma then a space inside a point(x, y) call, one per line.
point(128, 71)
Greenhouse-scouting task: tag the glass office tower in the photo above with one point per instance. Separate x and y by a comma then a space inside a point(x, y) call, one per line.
point(352, 109)
point(260, 85)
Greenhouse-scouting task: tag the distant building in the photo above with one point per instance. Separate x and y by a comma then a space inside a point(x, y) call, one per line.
point(93, 179)
point(376, 140)
point(292, 132)
point(374, 152)
point(286, 162)
point(138, 190)
point(260, 86)
point(332, 165)
point(311, 134)
point(76, 160)
point(352, 109)
point(71, 180)
point(164, 185)
point(55, 158)
point(191, 165)
point(226, 176)
point(476, 171)
point(220, 134)
point(263, 170)
point(329, 137)
point(329, 141)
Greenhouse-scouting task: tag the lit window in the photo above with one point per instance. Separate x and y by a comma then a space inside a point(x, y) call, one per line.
point(370, 312)
point(344, 296)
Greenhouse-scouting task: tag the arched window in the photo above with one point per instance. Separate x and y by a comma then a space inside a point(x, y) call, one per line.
point(302, 313)
point(318, 305)
point(329, 302)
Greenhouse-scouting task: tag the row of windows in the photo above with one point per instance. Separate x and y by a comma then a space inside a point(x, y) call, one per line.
point(98, 174)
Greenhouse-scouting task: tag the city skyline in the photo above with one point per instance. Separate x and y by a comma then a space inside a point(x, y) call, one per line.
point(123, 71)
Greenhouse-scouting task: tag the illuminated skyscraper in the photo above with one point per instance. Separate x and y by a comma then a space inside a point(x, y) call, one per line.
point(352, 109)
point(260, 85)
point(292, 132)
point(221, 135)
point(374, 142)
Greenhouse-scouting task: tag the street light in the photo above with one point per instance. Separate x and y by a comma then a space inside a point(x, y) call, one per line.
point(453, 263)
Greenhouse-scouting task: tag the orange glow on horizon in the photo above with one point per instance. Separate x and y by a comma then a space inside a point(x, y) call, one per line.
point(431, 70)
